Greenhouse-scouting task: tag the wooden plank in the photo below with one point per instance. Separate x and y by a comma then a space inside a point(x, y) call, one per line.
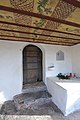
point(38, 28)
point(31, 33)
point(9, 9)
point(75, 3)
point(37, 39)
point(43, 42)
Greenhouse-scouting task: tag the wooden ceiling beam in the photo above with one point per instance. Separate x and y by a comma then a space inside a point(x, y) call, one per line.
point(75, 3)
point(32, 14)
point(64, 41)
point(45, 42)
point(30, 33)
point(38, 28)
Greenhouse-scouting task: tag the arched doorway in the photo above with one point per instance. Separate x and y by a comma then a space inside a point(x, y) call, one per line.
point(32, 64)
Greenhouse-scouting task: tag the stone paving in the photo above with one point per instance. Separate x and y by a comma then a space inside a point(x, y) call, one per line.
point(33, 106)
point(34, 87)
point(42, 112)
point(46, 112)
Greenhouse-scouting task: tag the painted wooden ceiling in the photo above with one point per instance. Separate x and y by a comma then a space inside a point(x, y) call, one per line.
point(54, 22)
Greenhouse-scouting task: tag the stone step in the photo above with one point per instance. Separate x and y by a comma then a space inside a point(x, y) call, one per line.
point(35, 87)
point(35, 104)
point(26, 100)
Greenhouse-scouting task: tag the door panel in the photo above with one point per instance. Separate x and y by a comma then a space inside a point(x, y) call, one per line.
point(32, 64)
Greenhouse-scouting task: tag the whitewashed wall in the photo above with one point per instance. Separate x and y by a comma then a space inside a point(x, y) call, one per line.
point(76, 59)
point(59, 66)
point(11, 72)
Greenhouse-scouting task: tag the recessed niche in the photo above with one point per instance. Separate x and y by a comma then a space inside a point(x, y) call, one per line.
point(60, 56)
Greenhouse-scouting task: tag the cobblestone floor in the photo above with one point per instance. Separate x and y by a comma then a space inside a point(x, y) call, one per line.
point(40, 107)
point(35, 87)
point(45, 112)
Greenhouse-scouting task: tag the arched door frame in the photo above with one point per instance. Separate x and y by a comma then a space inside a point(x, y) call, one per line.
point(43, 60)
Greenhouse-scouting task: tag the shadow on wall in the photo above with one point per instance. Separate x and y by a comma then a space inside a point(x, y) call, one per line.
point(74, 106)
point(2, 97)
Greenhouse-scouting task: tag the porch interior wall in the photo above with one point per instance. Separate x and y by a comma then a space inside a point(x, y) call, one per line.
point(75, 57)
point(11, 68)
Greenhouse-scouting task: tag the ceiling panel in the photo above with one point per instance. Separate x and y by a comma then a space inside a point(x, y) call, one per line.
point(60, 11)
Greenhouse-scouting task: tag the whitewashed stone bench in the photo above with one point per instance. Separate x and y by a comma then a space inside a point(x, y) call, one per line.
point(65, 94)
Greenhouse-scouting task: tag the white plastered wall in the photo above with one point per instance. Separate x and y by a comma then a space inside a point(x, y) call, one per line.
point(64, 66)
point(11, 68)
point(75, 52)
